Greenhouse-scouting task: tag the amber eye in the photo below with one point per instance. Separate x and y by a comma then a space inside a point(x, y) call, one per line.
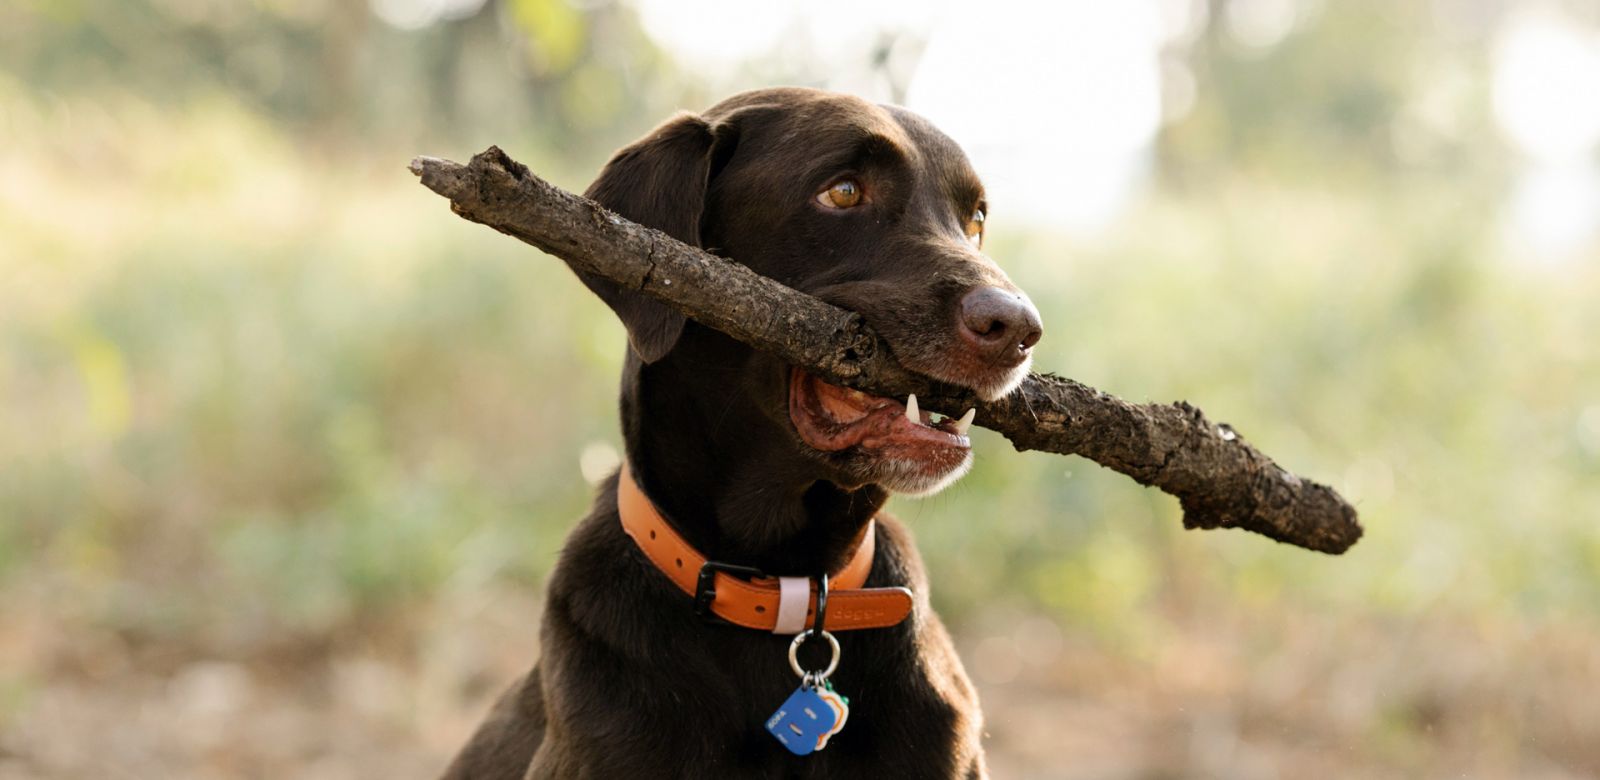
point(975, 227)
point(842, 194)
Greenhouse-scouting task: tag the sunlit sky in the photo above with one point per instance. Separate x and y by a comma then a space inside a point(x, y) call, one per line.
point(1546, 90)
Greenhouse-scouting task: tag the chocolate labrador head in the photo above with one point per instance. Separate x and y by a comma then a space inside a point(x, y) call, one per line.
point(865, 206)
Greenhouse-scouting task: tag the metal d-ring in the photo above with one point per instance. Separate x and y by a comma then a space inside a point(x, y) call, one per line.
point(822, 603)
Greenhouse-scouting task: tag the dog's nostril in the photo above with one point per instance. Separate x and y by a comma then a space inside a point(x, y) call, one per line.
point(999, 320)
point(994, 328)
point(985, 311)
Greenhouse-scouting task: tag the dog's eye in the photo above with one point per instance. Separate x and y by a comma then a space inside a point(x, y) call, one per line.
point(842, 194)
point(975, 227)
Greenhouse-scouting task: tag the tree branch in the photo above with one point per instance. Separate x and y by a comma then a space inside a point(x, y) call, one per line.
point(1220, 480)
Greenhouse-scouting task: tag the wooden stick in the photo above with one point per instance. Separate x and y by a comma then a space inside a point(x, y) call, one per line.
point(1220, 480)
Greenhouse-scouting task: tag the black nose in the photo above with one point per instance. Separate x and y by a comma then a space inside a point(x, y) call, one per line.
point(1003, 325)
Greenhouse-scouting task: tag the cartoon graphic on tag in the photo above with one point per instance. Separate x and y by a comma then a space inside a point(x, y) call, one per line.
point(841, 707)
point(806, 720)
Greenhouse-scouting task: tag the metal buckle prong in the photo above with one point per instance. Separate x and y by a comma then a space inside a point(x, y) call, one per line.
point(705, 588)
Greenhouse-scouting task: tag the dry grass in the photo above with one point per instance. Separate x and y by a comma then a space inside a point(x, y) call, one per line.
point(1224, 695)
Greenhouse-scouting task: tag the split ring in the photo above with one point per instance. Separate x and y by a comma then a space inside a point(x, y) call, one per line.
point(794, 654)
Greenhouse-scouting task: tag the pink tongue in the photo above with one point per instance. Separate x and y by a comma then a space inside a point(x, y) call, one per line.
point(842, 407)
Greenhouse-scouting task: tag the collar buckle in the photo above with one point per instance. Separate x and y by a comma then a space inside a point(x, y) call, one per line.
point(705, 589)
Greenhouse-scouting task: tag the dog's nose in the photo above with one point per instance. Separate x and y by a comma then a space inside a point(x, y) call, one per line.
point(1003, 325)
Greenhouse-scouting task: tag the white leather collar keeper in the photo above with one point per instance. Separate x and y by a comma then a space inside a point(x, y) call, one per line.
point(794, 600)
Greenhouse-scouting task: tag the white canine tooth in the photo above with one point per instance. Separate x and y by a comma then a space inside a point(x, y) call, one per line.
point(966, 421)
point(912, 413)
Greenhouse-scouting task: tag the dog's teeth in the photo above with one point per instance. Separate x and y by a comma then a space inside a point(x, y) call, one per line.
point(912, 413)
point(966, 421)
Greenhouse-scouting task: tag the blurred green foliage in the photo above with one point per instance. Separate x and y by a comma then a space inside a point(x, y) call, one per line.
point(255, 382)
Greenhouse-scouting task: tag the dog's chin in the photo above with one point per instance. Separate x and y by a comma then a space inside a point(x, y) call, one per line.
point(912, 478)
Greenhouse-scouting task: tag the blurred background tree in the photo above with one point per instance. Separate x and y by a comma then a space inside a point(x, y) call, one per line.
point(286, 450)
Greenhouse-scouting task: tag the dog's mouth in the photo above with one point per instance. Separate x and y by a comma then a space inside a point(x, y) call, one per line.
point(830, 418)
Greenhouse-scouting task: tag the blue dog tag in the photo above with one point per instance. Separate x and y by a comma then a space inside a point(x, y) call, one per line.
point(803, 721)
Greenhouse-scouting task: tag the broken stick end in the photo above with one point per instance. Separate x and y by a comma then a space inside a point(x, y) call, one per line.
point(421, 163)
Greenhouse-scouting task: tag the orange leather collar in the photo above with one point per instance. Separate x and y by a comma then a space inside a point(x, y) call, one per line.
point(754, 603)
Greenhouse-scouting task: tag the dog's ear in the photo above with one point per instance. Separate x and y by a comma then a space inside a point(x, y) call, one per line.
point(658, 181)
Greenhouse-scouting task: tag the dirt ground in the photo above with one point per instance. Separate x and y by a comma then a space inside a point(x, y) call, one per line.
point(1237, 696)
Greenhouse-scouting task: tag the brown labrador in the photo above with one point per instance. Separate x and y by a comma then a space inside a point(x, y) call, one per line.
point(756, 463)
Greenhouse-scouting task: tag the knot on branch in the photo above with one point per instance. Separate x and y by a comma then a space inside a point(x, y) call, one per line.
point(495, 160)
point(857, 344)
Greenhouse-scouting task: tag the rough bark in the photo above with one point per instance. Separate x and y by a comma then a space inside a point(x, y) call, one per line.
point(1220, 480)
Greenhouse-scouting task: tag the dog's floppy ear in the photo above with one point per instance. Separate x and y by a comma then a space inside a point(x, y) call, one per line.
point(658, 181)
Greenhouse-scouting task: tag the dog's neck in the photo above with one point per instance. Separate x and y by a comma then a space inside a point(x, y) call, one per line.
point(728, 477)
